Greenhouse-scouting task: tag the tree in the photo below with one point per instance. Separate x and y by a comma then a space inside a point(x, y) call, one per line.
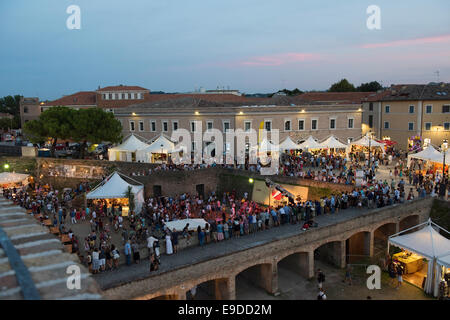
point(54, 123)
point(130, 196)
point(11, 105)
point(370, 87)
point(342, 86)
point(95, 125)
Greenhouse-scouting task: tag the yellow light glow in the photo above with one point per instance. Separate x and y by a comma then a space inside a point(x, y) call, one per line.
point(241, 113)
point(134, 113)
point(197, 113)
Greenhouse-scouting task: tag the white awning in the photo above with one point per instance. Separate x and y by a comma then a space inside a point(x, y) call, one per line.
point(113, 187)
point(426, 242)
point(428, 154)
point(160, 145)
point(309, 143)
point(444, 261)
point(12, 177)
point(332, 143)
point(364, 142)
point(131, 144)
point(288, 144)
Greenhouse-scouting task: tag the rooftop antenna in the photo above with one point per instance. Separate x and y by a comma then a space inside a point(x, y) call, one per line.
point(437, 75)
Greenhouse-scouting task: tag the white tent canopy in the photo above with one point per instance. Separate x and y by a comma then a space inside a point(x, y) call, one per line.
point(114, 187)
point(309, 143)
point(13, 178)
point(444, 260)
point(288, 144)
point(427, 242)
point(180, 224)
point(429, 154)
point(332, 143)
point(364, 142)
point(159, 145)
point(123, 152)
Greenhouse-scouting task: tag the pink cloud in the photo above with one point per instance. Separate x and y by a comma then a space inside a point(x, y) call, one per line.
point(277, 59)
point(398, 43)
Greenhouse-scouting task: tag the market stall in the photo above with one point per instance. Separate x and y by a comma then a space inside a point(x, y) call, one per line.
point(12, 179)
point(113, 190)
point(309, 143)
point(127, 151)
point(443, 276)
point(332, 143)
point(428, 154)
point(157, 151)
point(420, 249)
point(289, 145)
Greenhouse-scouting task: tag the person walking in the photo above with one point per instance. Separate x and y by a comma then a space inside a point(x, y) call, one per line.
point(320, 278)
point(201, 236)
point(321, 295)
point(128, 252)
point(175, 235)
point(136, 254)
point(169, 248)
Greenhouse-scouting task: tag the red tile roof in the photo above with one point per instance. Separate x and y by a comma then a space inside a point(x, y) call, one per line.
point(82, 98)
point(341, 97)
point(121, 88)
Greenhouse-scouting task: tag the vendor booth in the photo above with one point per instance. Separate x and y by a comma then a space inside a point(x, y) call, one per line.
point(127, 151)
point(289, 145)
point(429, 154)
point(180, 224)
point(443, 276)
point(157, 152)
point(113, 190)
point(331, 143)
point(12, 179)
point(420, 251)
point(309, 143)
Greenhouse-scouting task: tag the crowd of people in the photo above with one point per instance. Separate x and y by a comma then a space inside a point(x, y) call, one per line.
point(227, 216)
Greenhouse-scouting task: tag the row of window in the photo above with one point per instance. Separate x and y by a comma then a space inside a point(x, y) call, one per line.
point(247, 125)
point(123, 96)
point(412, 108)
point(428, 126)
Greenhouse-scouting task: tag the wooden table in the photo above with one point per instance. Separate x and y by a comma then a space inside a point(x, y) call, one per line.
point(68, 248)
point(54, 230)
point(65, 238)
point(38, 216)
point(48, 222)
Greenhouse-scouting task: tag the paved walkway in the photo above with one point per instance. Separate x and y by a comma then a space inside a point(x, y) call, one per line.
point(38, 257)
point(210, 251)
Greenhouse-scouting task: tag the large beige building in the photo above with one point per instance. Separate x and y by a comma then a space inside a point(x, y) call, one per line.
point(149, 120)
point(406, 111)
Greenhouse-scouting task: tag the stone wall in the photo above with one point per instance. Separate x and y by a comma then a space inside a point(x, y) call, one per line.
point(228, 266)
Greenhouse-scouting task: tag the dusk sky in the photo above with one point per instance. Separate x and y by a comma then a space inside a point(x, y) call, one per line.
point(249, 45)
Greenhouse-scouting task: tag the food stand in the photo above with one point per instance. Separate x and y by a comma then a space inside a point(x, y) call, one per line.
point(113, 189)
point(427, 244)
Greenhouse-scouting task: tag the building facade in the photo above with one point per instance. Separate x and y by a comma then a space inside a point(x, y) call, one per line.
point(409, 114)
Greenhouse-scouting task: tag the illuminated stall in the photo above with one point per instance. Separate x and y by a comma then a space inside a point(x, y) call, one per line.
point(113, 189)
point(420, 253)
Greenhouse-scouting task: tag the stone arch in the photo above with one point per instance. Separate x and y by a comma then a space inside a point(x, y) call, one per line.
point(212, 288)
point(408, 222)
point(300, 262)
point(332, 252)
point(358, 246)
point(263, 274)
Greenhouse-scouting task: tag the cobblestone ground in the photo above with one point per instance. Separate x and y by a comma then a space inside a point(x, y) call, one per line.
point(294, 287)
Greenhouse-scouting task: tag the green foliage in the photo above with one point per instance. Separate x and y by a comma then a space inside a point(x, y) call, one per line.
point(342, 86)
point(294, 92)
point(369, 87)
point(11, 105)
point(130, 195)
point(84, 125)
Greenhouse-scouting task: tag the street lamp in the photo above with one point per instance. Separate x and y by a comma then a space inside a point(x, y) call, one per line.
point(444, 150)
point(250, 180)
point(370, 140)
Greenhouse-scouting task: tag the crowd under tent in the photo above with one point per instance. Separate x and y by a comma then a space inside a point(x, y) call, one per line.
point(288, 144)
point(180, 224)
point(112, 191)
point(127, 151)
point(428, 154)
point(157, 151)
point(425, 244)
point(332, 143)
point(365, 142)
point(309, 143)
point(12, 179)
point(443, 275)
